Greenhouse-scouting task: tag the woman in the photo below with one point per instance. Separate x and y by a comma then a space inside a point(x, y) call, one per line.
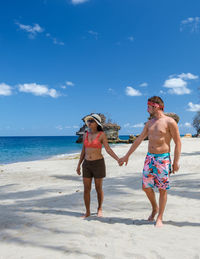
point(93, 161)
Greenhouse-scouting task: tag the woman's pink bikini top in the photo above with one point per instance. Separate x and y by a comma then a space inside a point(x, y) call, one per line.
point(95, 143)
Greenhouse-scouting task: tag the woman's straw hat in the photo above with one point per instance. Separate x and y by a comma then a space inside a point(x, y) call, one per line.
point(95, 117)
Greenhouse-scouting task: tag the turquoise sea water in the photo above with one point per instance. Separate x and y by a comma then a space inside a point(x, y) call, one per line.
point(18, 149)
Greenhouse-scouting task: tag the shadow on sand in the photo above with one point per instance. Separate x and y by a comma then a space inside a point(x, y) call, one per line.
point(22, 212)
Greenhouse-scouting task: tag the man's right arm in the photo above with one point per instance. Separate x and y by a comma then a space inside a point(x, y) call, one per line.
point(135, 144)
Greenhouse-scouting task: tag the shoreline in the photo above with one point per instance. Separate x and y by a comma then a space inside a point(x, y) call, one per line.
point(54, 157)
point(76, 154)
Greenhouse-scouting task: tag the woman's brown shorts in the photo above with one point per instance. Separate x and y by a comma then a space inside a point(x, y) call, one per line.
point(94, 168)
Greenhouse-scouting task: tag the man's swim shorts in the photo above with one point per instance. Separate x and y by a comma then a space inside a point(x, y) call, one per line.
point(157, 168)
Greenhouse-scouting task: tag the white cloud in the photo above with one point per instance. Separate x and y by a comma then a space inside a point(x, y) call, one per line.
point(75, 2)
point(111, 91)
point(131, 38)
point(5, 89)
point(191, 23)
point(193, 107)
point(144, 84)
point(177, 84)
point(36, 29)
point(59, 127)
point(54, 40)
point(126, 125)
point(187, 125)
point(188, 76)
point(162, 92)
point(179, 91)
point(94, 33)
point(130, 91)
point(139, 125)
point(32, 30)
point(38, 90)
point(69, 83)
point(57, 42)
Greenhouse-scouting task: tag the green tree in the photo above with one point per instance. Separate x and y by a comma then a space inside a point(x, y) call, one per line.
point(196, 122)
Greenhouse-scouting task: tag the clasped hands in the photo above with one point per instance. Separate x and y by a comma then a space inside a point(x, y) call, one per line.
point(123, 160)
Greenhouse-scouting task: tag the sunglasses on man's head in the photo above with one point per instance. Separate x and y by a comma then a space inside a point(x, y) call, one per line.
point(90, 121)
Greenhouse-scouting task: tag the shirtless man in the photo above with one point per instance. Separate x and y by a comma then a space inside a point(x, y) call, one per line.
point(157, 167)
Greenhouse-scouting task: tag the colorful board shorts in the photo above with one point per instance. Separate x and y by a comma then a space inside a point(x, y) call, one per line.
point(157, 168)
point(94, 168)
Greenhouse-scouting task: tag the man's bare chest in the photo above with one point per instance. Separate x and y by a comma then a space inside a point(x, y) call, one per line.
point(157, 129)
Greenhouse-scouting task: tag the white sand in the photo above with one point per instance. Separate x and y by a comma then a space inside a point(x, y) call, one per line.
point(41, 205)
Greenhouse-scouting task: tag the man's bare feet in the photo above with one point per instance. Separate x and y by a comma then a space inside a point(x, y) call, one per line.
point(99, 213)
point(159, 223)
point(153, 214)
point(87, 214)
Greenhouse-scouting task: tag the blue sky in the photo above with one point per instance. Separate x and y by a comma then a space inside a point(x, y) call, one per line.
point(61, 60)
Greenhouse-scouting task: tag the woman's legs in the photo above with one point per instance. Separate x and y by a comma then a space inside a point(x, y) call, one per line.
point(100, 195)
point(87, 188)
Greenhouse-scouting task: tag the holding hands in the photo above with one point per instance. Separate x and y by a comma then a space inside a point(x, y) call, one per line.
point(123, 160)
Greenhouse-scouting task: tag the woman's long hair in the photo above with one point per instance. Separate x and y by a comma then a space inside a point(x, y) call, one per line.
point(99, 128)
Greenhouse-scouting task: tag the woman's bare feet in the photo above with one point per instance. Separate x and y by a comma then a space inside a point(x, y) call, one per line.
point(99, 213)
point(87, 214)
point(153, 214)
point(159, 223)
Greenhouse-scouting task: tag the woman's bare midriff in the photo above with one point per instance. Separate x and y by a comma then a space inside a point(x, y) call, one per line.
point(93, 154)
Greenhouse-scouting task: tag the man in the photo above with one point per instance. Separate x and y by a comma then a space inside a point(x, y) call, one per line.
point(157, 167)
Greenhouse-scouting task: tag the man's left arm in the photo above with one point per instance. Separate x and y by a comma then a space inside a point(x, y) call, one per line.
point(174, 131)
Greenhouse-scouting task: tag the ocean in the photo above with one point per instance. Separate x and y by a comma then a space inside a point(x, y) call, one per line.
point(18, 149)
point(21, 149)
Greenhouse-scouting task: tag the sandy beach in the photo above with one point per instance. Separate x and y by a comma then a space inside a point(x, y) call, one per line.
point(42, 201)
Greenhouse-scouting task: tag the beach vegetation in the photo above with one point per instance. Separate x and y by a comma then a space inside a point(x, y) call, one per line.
point(196, 122)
